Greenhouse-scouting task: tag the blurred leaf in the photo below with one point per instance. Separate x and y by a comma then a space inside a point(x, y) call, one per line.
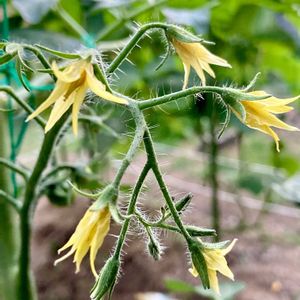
point(73, 8)
point(287, 162)
point(53, 40)
point(187, 4)
point(178, 286)
point(282, 60)
point(32, 11)
point(228, 291)
point(251, 182)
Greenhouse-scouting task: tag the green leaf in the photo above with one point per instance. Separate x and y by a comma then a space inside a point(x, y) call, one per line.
point(228, 291)
point(20, 74)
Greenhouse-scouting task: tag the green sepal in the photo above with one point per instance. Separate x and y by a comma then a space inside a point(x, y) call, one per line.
point(83, 193)
point(199, 263)
point(166, 55)
point(106, 279)
point(252, 82)
point(199, 231)
point(6, 58)
point(226, 122)
point(59, 53)
point(107, 195)
point(115, 212)
point(239, 109)
point(20, 74)
point(23, 63)
point(213, 246)
point(182, 35)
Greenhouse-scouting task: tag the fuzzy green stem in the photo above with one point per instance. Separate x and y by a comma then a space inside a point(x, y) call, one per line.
point(131, 209)
point(215, 209)
point(181, 94)
point(156, 170)
point(132, 43)
point(138, 137)
point(25, 288)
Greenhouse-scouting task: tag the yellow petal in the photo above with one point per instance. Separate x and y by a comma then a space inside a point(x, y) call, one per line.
point(216, 261)
point(229, 247)
point(193, 271)
point(71, 73)
point(102, 231)
point(199, 71)
point(79, 97)
point(59, 90)
point(59, 109)
point(99, 89)
point(187, 69)
point(213, 281)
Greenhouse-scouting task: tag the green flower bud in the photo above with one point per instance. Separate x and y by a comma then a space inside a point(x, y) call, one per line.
point(184, 202)
point(106, 280)
point(154, 248)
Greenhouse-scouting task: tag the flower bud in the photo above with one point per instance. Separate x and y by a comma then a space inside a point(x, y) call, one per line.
point(107, 279)
point(184, 202)
point(154, 248)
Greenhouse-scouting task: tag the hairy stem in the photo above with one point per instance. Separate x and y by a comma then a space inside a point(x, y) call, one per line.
point(131, 209)
point(25, 288)
point(132, 43)
point(156, 170)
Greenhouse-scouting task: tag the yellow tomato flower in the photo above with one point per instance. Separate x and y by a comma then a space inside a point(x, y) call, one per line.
point(89, 235)
point(70, 89)
point(260, 114)
point(197, 56)
point(216, 262)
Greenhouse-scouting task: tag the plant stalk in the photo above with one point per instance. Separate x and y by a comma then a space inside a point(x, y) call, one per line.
point(9, 243)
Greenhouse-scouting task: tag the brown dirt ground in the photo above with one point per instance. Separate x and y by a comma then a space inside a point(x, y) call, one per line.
point(266, 258)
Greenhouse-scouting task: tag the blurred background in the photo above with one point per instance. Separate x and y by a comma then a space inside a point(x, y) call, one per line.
point(241, 185)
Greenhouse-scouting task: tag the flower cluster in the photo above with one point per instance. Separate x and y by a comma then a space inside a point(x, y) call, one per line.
point(89, 235)
point(70, 90)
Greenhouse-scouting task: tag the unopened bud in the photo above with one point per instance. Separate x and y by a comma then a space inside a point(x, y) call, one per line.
point(106, 279)
point(154, 248)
